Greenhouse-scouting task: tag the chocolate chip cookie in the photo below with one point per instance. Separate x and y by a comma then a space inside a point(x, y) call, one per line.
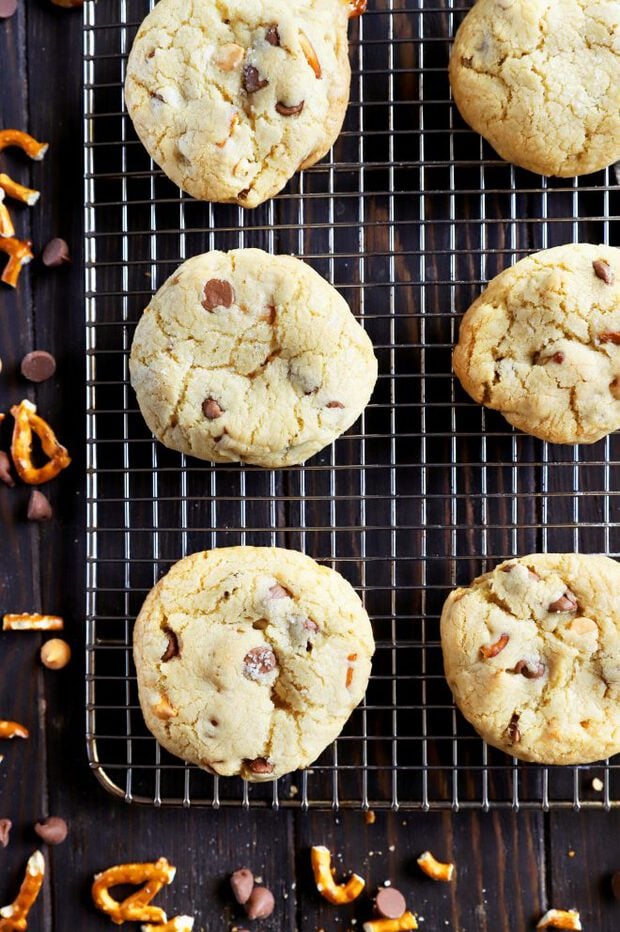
point(251, 659)
point(540, 80)
point(532, 655)
point(542, 344)
point(244, 356)
point(231, 98)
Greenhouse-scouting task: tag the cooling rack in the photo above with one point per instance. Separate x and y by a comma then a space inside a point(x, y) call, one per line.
point(409, 216)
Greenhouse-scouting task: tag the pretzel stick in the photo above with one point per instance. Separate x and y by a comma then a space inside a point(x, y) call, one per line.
point(15, 137)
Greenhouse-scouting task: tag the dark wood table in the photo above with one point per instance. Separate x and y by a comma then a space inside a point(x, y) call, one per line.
point(511, 866)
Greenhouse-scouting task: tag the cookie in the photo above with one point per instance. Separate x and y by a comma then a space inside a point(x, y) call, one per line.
point(244, 356)
point(251, 659)
point(542, 344)
point(532, 655)
point(232, 98)
point(540, 80)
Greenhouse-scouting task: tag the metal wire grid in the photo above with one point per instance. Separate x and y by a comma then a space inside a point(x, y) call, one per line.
point(408, 217)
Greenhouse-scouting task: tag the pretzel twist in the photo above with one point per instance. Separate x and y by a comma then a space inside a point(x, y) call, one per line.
point(434, 868)
point(19, 253)
point(28, 421)
point(18, 191)
point(14, 918)
point(32, 147)
point(178, 924)
point(403, 924)
point(134, 908)
point(27, 621)
point(6, 224)
point(336, 894)
point(12, 730)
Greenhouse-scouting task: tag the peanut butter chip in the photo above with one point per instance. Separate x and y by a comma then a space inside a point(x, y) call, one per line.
point(283, 110)
point(211, 409)
point(260, 765)
point(530, 673)
point(258, 662)
point(252, 80)
point(273, 36)
point(604, 271)
point(566, 603)
point(217, 293)
point(172, 650)
point(610, 336)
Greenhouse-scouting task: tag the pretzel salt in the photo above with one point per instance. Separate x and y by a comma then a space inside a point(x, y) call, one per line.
point(32, 147)
point(14, 918)
point(28, 421)
point(27, 621)
point(6, 224)
point(19, 253)
point(560, 919)
point(178, 924)
point(134, 908)
point(12, 730)
point(18, 191)
point(435, 869)
point(336, 894)
point(403, 924)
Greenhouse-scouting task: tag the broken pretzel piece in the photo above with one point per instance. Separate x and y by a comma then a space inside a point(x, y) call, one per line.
point(6, 224)
point(403, 924)
point(18, 191)
point(178, 924)
point(336, 894)
point(434, 868)
point(13, 730)
point(32, 622)
point(357, 7)
point(560, 919)
point(19, 253)
point(14, 918)
point(134, 908)
point(32, 147)
point(26, 421)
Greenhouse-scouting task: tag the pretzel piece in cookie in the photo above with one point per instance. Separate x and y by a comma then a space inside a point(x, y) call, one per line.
point(27, 621)
point(18, 191)
point(28, 421)
point(336, 894)
point(12, 730)
point(32, 147)
point(135, 908)
point(403, 924)
point(357, 7)
point(14, 918)
point(178, 924)
point(19, 253)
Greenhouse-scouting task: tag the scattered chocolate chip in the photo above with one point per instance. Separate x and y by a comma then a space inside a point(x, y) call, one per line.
point(611, 336)
point(273, 36)
point(5, 470)
point(38, 366)
point(7, 8)
point(56, 253)
point(52, 830)
point(259, 661)
point(242, 884)
point(615, 884)
point(261, 903)
point(252, 80)
point(172, 648)
point(283, 110)
point(335, 404)
point(514, 735)
point(39, 508)
point(604, 271)
point(5, 828)
point(211, 409)
point(217, 293)
point(566, 603)
point(279, 592)
point(492, 650)
point(260, 765)
point(530, 673)
point(390, 903)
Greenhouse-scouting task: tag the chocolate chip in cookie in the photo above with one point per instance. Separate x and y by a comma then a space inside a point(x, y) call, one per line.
point(173, 648)
point(258, 662)
point(533, 672)
point(211, 409)
point(566, 603)
point(217, 293)
point(273, 36)
point(252, 80)
point(283, 110)
point(604, 271)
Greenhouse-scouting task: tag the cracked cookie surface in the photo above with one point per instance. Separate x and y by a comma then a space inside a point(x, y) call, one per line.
point(542, 344)
point(532, 656)
point(245, 356)
point(231, 98)
point(540, 80)
point(251, 659)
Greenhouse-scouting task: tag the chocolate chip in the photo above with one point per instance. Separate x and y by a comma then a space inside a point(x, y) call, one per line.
point(56, 253)
point(39, 508)
point(611, 336)
point(273, 36)
point(513, 733)
point(335, 404)
point(530, 673)
point(258, 662)
point(7, 8)
point(5, 828)
point(260, 765)
point(615, 884)
point(566, 603)
point(38, 366)
point(390, 903)
point(217, 293)
point(211, 409)
point(172, 648)
point(5, 470)
point(261, 903)
point(52, 830)
point(242, 884)
point(283, 110)
point(604, 271)
point(252, 80)
point(243, 194)
point(279, 592)
point(559, 358)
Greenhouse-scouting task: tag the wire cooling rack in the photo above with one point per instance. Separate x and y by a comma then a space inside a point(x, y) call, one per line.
point(409, 216)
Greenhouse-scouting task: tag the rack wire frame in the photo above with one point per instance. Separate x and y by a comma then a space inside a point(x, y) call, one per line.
point(409, 216)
